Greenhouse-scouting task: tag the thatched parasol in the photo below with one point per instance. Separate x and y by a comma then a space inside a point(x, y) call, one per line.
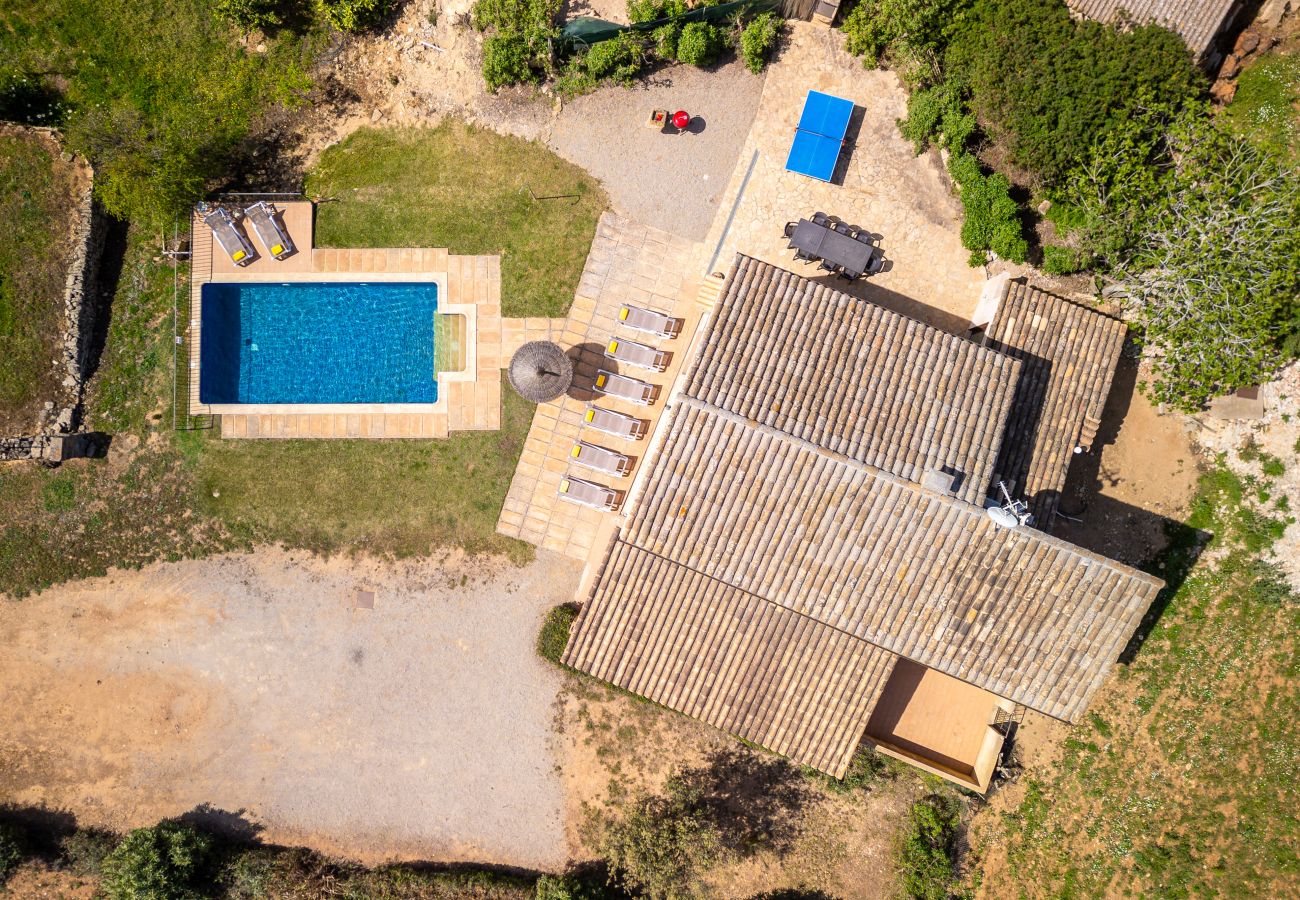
point(540, 371)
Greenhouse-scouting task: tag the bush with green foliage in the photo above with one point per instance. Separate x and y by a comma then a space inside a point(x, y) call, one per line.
point(1048, 86)
point(554, 636)
point(1063, 260)
point(665, 39)
point(11, 850)
point(927, 851)
point(164, 862)
point(700, 44)
point(758, 40)
point(937, 114)
point(518, 50)
point(914, 32)
point(354, 15)
point(664, 843)
point(250, 14)
point(992, 217)
point(651, 10)
point(620, 59)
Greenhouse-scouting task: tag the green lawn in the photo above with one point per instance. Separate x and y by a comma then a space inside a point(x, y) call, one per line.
point(35, 196)
point(466, 189)
point(189, 493)
point(1182, 781)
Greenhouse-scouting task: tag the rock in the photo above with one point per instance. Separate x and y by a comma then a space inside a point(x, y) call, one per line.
point(66, 156)
point(64, 420)
point(1044, 207)
point(1247, 43)
point(260, 48)
point(376, 115)
point(1231, 67)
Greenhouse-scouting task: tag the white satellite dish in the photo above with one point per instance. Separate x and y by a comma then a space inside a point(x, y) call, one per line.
point(1003, 518)
point(1012, 513)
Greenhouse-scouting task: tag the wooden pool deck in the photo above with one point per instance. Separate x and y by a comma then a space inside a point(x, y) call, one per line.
point(469, 286)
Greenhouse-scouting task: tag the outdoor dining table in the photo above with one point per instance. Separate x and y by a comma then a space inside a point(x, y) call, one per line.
point(821, 242)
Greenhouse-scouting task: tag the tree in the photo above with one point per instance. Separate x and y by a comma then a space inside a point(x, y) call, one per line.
point(1213, 278)
point(914, 33)
point(159, 863)
point(664, 843)
point(925, 854)
point(353, 15)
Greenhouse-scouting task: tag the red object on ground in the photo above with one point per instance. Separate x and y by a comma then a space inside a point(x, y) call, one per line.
point(681, 119)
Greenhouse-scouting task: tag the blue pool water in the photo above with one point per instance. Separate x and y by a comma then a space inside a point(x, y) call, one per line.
point(318, 342)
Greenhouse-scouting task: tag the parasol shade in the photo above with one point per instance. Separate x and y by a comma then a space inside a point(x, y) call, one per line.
point(540, 371)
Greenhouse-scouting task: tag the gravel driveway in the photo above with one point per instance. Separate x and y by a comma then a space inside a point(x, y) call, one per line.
point(419, 729)
point(671, 181)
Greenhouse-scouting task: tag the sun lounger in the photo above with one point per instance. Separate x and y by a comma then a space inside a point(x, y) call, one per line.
point(230, 236)
point(614, 423)
point(611, 462)
point(587, 493)
point(269, 230)
point(630, 389)
point(650, 321)
point(635, 354)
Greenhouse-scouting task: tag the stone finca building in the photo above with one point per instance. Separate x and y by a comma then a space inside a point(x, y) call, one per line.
point(807, 562)
point(1198, 22)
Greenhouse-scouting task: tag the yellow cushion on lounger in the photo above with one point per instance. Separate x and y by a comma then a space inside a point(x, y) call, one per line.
point(238, 255)
point(600, 381)
point(277, 249)
point(591, 415)
point(564, 485)
point(613, 345)
point(622, 314)
point(575, 451)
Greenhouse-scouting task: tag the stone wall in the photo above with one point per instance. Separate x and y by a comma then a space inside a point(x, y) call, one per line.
point(81, 306)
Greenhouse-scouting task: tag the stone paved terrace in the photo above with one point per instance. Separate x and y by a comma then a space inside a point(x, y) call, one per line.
point(470, 286)
point(880, 185)
point(629, 263)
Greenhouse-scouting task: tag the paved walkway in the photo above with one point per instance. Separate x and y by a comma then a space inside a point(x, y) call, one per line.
point(418, 729)
point(628, 263)
point(880, 185)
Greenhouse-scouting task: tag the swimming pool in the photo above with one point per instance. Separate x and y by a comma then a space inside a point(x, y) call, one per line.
point(318, 343)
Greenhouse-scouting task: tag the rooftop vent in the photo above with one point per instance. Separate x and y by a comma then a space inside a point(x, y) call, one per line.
point(1012, 513)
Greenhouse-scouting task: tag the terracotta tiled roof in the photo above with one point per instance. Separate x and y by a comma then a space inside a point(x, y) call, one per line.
point(854, 377)
point(1197, 21)
point(783, 680)
point(1069, 353)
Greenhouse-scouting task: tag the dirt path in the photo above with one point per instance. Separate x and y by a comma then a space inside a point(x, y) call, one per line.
point(419, 729)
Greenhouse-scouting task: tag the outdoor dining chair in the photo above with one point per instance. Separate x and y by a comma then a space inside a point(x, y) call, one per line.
point(876, 266)
point(820, 218)
point(789, 228)
point(637, 354)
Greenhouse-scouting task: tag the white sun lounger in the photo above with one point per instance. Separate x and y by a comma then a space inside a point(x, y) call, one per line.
point(614, 423)
point(269, 230)
point(635, 354)
point(587, 493)
point(229, 235)
point(611, 462)
point(630, 389)
point(650, 321)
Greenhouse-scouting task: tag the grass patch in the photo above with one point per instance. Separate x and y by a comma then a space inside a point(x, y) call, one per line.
point(1266, 107)
point(398, 498)
point(1183, 781)
point(467, 189)
point(554, 636)
point(36, 193)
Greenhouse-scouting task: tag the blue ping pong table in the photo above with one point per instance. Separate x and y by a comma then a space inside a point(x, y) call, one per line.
point(819, 136)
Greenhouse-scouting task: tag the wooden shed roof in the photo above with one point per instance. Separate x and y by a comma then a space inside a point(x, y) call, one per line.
point(1197, 21)
point(854, 377)
point(1068, 353)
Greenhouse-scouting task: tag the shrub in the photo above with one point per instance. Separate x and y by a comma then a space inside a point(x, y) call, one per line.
point(573, 886)
point(928, 847)
point(1050, 86)
point(700, 44)
point(85, 850)
point(159, 863)
point(620, 59)
point(506, 61)
point(11, 850)
point(758, 40)
point(650, 10)
point(554, 636)
point(353, 15)
point(937, 113)
point(249, 14)
point(1063, 260)
point(666, 38)
point(992, 218)
point(664, 843)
